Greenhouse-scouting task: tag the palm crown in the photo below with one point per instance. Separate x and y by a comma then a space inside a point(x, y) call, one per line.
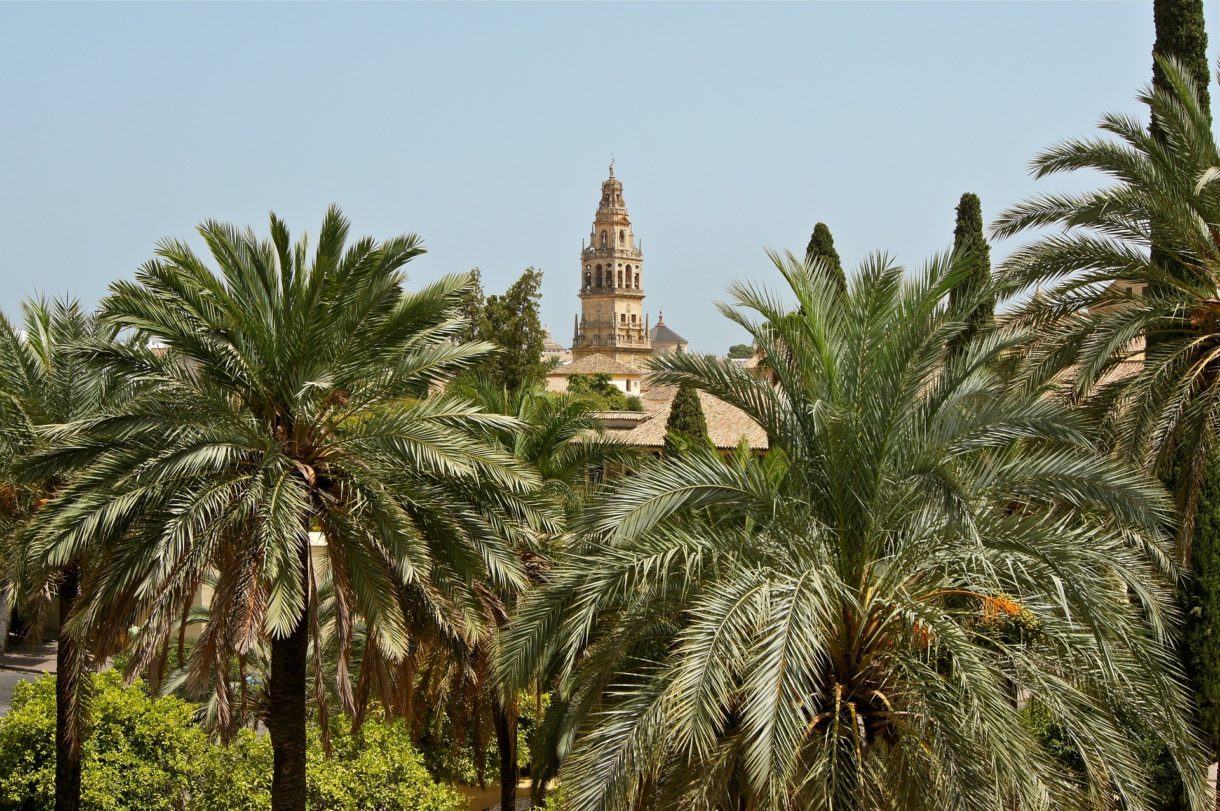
point(1146, 363)
point(849, 622)
point(290, 392)
point(43, 382)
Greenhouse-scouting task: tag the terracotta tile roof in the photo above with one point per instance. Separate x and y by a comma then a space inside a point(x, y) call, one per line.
point(726, 424)
point(595, 365)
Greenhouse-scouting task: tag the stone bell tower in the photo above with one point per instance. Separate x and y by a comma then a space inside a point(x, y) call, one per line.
point(612, 321)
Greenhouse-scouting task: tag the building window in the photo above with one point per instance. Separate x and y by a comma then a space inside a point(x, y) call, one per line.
point(622, 317)
point(622, 236)
point(637, 280)
point(620, 278)
point(599, 275)
point(633, 318)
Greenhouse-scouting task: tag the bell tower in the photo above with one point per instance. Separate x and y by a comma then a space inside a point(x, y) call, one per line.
point(611, 321)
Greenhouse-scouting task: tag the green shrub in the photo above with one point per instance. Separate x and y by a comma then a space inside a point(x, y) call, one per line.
point(236, 777)
point(555, 800)
point(601, 393)
point(376, 769)
point(147, 754)
point(141, 752)
point(27, 751)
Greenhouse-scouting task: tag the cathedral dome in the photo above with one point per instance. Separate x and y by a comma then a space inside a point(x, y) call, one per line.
point(665, 339)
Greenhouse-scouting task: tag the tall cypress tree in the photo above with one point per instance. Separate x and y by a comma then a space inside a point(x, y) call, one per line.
point(822, 246)
point(471, 303)
point(1180, 34)
point(686, 425)
point(970, 244)
point(1202, 603)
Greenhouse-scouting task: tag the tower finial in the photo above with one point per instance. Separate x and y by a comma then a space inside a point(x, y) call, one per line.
point(611, 165)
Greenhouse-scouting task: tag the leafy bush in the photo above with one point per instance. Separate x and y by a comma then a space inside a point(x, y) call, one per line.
point(147, 754)
point(449, 752)
point(141, 752)
point(376, 769)
point(601, 393)
point(236, 777)
point(27, 750)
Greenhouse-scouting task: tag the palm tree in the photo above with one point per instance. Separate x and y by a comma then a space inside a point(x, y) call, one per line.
point(1146, 361)
point(561, 439)
point(817, 629)
point(559, 435)
point(292, 423)
point(44, 382)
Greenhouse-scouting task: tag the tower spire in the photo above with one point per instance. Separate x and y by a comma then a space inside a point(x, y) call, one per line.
point(611, 284)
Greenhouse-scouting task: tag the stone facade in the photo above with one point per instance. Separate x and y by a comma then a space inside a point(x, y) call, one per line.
point(612, 320)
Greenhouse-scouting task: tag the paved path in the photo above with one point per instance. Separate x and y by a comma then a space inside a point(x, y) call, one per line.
point(22, 663)
point(8, 680)
point(483, 799)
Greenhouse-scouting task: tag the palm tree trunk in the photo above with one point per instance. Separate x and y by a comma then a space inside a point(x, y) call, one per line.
point(6, 615)
point(506, 743)
point(286, 712)
point(67, 747)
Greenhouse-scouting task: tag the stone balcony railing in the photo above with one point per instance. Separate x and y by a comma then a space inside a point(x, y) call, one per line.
point(617, 338)
point(635, 252)
point(606, 290)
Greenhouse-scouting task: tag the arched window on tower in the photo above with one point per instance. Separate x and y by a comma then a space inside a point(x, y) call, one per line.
point(622, 236)
point(620, 278)
point(637, 280)
point(603, 239)
point(599, 275)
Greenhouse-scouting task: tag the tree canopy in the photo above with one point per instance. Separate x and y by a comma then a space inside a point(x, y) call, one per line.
point(686, 425)
point(511, 322)
point(815, 629)
point(822, 248)
point(292, 395)
point(599, 391)
point(970, 246)
point(741, 351)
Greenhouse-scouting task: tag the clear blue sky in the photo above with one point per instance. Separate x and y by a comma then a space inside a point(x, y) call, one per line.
point(487, 129)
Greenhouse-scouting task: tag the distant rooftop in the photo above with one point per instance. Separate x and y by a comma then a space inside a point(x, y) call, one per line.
point(726, 425)
point(595, 364)
point(662, 334)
